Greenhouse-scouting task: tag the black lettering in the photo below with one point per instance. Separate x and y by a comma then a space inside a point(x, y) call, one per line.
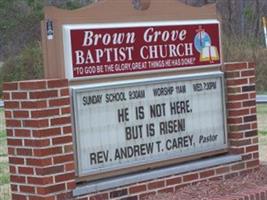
point(139, 113)
point(123, 115)
point(133, 132)
point(157, 110)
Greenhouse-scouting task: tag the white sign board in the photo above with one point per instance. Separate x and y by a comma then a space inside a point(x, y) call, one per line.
point(126, 124)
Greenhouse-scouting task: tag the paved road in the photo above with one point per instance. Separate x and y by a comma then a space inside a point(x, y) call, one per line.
point(261, 99)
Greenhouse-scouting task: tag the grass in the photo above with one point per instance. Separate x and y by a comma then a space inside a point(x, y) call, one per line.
point(4, 172)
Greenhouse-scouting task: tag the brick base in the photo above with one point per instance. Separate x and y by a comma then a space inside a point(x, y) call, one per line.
point(40, 145)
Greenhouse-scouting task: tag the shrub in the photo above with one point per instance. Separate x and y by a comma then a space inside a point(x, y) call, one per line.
point(27, 65)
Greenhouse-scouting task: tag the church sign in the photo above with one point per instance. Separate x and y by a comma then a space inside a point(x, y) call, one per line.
point(93, 50)
point(136, 122)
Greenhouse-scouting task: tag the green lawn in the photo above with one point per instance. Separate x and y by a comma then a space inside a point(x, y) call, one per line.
point(4, 172)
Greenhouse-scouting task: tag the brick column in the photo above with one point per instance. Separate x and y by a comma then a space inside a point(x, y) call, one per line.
point(241, 108)
point(40, 147)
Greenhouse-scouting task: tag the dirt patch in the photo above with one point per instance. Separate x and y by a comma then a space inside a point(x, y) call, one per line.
point(210, 190)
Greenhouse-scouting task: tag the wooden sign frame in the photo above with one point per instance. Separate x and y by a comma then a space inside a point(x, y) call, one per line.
point(107, 11)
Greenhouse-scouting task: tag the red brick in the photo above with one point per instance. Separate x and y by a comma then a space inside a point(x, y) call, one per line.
point(252, 95)
point(40, 180)
point(166, 190)
point(240, 142)
point(14, 188)
point(62, 140)
point(25, 170)
point(59, 102)
point(65, 177)
point(22, 133)
point(252, 80)
point(24, 152)
point(241, 112)
point(67, 129)
point(145, 196)
point(57, 83)
point(71, 185)
point(32, 85)
point(44, 94)
point(49, 170)
point(39, 161)
point(14, 142)
point(253, 163)
point(37, 123)
point(21, 114)
point(118, 193)
point(19, 95)
point(47, 132)
point(247, 157)
point(70, 166)
point(137, 189)
point(235, 135)
point(9, 132)
point(64, 92)
point(236, 150)
point(251, 133)
point(256, 155)
point(8, 114)
point(68, 148)
point(173, 181)
point(237, 97)
point(33, 104)
point(190, 177)
point(234, 120)
point(252, 148)
point(44, 113)
point(249, 103)
point(254, 125)
point(16, 161)
point(34, 197)
point(12, 169)
point(37, 143)
point(232, 74)
point(206, 174)
point(103, 196)
point(47, 151)
point(253, 110)
point(241, 81)
point(64, 196)
point(11, 104)
point(234, 105)
point(242, 127)
point(10, 86)
point(63, 158)
point(18, 197)
point(17, 179)
point(251, 65)
point(238, 167)
point(156, 184)
point(13, 123)
point(26, 189)
point(248, 73)
point(60, 121)
point(11, 151)
point(235, 66)
point(6, 95)
point(66, 110)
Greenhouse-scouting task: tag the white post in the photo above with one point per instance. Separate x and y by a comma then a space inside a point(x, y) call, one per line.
point(265, 29)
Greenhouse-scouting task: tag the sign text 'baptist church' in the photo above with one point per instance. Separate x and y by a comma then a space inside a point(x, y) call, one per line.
point(104, 49)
